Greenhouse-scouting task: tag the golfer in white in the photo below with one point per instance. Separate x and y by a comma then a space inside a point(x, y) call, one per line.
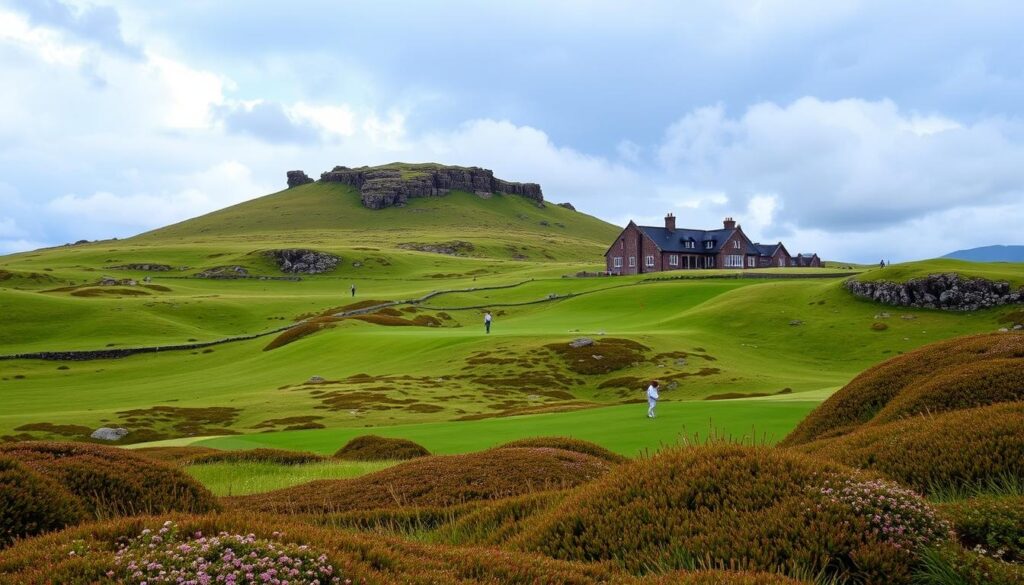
point(652, 398)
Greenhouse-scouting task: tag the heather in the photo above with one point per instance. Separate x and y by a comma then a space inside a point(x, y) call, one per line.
point(375, 448)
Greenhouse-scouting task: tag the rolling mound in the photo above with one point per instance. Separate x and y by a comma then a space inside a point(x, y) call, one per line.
point(32, 504)
point(765, 508)
point(567, 444)
point(948, 375)
point(111, 481)
point(375, 448)
point(435, 481)
point(961, 449)
point(276, 456)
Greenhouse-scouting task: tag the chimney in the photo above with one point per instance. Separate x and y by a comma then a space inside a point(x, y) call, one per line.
point(729, 223)
point(670, 222)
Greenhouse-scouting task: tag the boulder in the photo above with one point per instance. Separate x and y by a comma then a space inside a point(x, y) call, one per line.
point(315, 380)
point(109, 434)
point(300, 261)
point(296, 178)
point(948, 292)
point(581, 342)
point(567, 205)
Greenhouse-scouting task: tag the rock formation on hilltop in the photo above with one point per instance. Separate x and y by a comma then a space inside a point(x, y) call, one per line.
point(296, 178)
point(938, 291)
point(394, 185)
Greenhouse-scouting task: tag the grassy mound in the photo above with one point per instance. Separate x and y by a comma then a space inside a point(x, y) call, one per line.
point(756, 507)
point(436, 481)
point(111, 481)
point(952, 374)
point(568, 444)
point(361, 558)
point(277, 456)
point(994, 524)
point(175, 455)
point(31, 504)
point(375, 448)
point(959, 450)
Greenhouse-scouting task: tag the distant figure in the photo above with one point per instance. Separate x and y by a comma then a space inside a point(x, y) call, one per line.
point(881, 264)
point(353, 290)
point(487, 322)
point(652, 398)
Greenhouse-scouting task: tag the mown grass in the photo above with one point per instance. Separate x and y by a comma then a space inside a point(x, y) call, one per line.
point(999, 271)
point(239, 479)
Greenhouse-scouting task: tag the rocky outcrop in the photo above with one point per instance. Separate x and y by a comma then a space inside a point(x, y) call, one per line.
point(296, 178)
point(222, 272)
point(453, 248)
point(949, 292)
point(147, 267)
point(109, 434)
point(390, 187)
point(567, 205)
point(299, 261)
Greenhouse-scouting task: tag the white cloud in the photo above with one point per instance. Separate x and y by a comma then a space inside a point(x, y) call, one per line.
point(9, 229)
point(190, 94)
point(338, 120)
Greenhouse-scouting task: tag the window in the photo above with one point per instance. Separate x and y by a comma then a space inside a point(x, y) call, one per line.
point(689, 244)
point(782, 262)
point(709, 244)
point(736, 244)
point(673, 260)
point(649, 261)
point(709, 262)
point(632, 261)
point(751, 261)
point(617, 262)
point(734, 261)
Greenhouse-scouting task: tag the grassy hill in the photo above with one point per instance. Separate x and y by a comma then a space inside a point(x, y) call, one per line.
point(1000, 271)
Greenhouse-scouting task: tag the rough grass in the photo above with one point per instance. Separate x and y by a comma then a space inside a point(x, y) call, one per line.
point(175, 455)
point(256, 477)
point(376, 448)
point(436, 481)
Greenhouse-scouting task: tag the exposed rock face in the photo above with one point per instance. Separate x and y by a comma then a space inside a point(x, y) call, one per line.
point(152, 267)
point(109, 434)
point(581, 342)
point(567, 205)
point(938, 291)
point(296, 178)
point(298, 261)
point(224, 272)
point(453, 248)
point(380, 188)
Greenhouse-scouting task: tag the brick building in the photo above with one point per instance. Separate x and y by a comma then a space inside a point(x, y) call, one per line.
point(642, 249)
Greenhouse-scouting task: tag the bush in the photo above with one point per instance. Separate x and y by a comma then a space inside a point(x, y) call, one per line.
point(31, 504)
point(174, 455)
point(867, 394)
point(756, 508)
point(278, 456)
point(435, 481)
point(952, 565)
point(164, 556)
point(492, 523)
point(374, 448)
point(963, 449)
point(879, 326)
point(568, 444)
point(990, 525)
point(112, 481)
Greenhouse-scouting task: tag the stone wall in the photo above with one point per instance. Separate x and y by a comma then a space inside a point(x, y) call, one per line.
point(380, 188)
point(948, 292)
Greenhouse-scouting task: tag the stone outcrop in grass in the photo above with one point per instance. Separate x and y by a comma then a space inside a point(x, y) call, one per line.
point(301, 261)
point(938, 291)
point(296, 178)
point(381, 187)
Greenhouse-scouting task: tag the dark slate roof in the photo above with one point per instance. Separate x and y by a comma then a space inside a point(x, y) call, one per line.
point(673, 241)
point(766, 249)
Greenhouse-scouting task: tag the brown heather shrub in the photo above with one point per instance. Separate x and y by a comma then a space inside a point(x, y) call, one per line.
point(496, 522)
point(954, 565)
point(435, 481)
point(112, 481)
point(373, 559)
point(32, 504)
point(174, 455)
point(301, 330)
point(994, 524)
point(615, 354)
point(278, 456)
point(755, 508)
point(867, 394)
point(879, 326)
point(375, 448)
point(568, 444)
point(953, 450)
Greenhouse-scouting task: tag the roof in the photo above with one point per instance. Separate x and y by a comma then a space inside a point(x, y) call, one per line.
point(766, 249)
point(673, 241)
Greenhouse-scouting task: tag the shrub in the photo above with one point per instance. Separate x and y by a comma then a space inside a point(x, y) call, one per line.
point(614, 353)
point(436, 481)
point(164, 556)
point(174, 455)
point(756, 508)
point(867, 394)
point(112, 481)
point(568, 444)
point(300, 330)
point(495, 522)
point(278, 456)
point(375, 448)
point(990, 525)
point(879, 326)
point(954, 450)
point(31, 504)
point(953, 565)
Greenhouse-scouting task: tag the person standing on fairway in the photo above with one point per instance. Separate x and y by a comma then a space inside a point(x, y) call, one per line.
point(487, 321)
point(353, 289)
point(652, 398)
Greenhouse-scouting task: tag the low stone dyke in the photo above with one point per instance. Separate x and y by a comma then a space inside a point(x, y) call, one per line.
point(947, 292)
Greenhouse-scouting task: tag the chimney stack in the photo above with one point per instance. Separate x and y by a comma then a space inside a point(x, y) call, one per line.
point(670, 222)
point(729, 223)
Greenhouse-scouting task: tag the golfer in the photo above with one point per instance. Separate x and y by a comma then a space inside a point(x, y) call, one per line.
point(487, 322)
point(652, 398)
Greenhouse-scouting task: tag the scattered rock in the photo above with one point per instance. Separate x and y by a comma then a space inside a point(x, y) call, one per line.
point(597, 356)
point(1018, 327)
point(301, 261)
point(109, 434)
point(452, 248)
point(581, 342)
point(948, 292)
point(908, 317)
point(296, 178)
point(1003, 330)
point(143, 267)
point(681, 361)
point(795, 323)
point(315, 380)
point(223, 272)
point(567, 205)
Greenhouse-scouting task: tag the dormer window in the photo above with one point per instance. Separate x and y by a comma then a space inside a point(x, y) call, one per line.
point(688, 244)
point(709, 244)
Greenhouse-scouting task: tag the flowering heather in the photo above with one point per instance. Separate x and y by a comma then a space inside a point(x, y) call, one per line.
point(895, 515)
point(165, 557)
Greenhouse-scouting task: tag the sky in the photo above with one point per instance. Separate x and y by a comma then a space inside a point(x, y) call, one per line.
point(857, 130)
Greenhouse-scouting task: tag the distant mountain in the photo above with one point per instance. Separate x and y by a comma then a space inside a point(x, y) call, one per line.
point(990, 254)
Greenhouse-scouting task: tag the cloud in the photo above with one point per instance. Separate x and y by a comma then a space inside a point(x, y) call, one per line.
point(91, 23)
point(267, 121)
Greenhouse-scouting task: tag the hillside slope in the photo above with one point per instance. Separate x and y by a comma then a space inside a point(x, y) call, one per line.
point(990, 254)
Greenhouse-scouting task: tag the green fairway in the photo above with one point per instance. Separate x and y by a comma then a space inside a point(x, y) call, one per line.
point(1006, 271)
point(239, 479)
